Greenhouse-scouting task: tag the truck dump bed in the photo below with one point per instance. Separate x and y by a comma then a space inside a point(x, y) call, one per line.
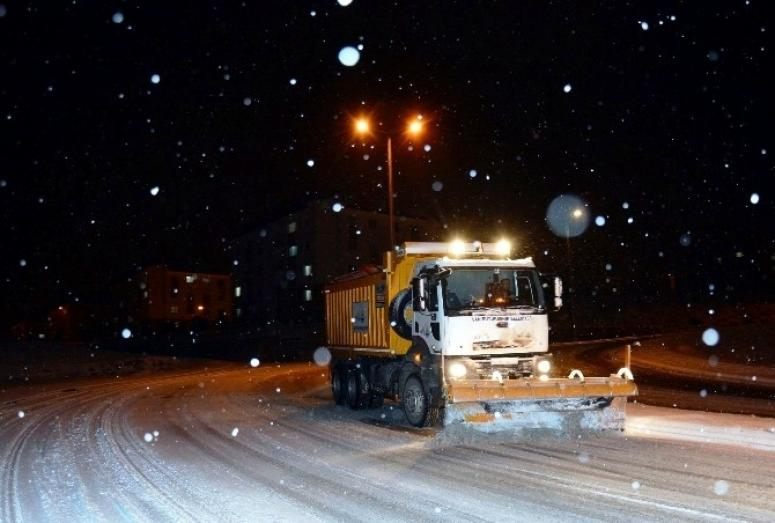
point(356, 313)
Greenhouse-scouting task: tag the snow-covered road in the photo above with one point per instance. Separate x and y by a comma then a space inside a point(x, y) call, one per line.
point(266, 444)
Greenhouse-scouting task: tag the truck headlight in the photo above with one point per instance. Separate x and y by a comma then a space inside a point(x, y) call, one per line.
point(457, 370)
point(543, 366)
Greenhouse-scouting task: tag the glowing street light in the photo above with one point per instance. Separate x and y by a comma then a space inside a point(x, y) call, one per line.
point(414, 128)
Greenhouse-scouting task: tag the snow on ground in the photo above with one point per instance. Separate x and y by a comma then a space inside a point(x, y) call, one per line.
point(164, 448)
point(703, 427)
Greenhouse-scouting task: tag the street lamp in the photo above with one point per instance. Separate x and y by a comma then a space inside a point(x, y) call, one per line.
point(414, 128)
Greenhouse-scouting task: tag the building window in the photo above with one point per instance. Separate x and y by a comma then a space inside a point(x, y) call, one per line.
point(190, 278)
point(291, 227)
point(307, 295)
point(174, 309)
point(237, 291)
point(293, 250)
point(308, 270)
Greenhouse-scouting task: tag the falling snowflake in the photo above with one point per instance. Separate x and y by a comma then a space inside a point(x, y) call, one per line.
point(310, 163)
point(644, 26)
point(567, 88)
point(755, 198)
point(710, 337)
point(337, 207)
point(600, 221)
point(126, 334)
point(349, 56)
point(234, 432)
point(437, 186)
point(154, 190)
point(254, 362)
point(20, 414)
point(322, 356)
point(720, 487)
point(118, 17)
point(148, 437)
point(155, 78)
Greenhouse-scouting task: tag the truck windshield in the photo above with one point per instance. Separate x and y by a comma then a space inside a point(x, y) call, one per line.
point(471, 288)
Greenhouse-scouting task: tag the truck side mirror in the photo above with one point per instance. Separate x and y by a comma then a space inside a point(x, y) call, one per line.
point(419, 294)
point(557, 293)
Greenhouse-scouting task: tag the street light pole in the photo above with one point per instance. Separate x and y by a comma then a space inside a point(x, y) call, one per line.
point(414, 128)
point(390, 193)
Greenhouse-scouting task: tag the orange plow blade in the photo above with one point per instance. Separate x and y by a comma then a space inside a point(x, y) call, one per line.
point(595, 403)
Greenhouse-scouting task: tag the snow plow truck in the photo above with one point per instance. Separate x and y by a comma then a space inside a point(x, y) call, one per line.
point(458, 333)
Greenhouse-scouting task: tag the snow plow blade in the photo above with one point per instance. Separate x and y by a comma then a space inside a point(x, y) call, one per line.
point(489, 405)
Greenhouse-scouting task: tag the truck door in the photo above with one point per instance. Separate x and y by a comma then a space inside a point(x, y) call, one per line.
point(427, 324)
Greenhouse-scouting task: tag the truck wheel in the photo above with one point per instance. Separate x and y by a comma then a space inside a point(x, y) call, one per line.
point(416, 404)
point(354, 383)
point(337, 385)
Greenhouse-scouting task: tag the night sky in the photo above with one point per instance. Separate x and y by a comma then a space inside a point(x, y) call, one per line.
point(659, 118)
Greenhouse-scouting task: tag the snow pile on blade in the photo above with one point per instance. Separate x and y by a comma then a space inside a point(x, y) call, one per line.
point(562, 415)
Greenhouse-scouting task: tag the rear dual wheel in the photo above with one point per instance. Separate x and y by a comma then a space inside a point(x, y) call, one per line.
point(337, 384)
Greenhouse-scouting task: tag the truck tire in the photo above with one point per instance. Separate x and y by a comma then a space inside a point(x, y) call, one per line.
point(354, 390)
point(398, 305)
point(417, 408)
point(337, 385)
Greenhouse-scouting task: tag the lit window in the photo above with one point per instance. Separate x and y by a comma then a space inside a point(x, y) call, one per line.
point(237, 292)
point(293, 250)
point(174, 309)
point(307, 295)
point(308, 270)
point(190, 278)
point(292, 227)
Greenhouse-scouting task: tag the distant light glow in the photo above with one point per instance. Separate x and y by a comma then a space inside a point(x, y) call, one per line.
point(710, 337)
point(755, 198)
point(155, 78)
point(685, 239)
point(349, 56)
